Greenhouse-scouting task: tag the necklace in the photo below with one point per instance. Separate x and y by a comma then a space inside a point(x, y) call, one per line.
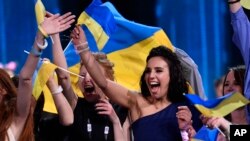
point(89, 130)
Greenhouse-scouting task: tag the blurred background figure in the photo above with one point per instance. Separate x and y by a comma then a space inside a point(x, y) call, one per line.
point(10, 67)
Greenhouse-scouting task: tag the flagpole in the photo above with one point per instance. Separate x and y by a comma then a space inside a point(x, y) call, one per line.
point(58, 66)
point(220, 131)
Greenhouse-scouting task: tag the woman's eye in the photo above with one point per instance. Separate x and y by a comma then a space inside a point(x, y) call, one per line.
point(158, 70)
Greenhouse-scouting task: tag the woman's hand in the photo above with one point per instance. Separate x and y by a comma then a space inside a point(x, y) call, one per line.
point(78, 35)
point(184, 117)
point(53, 24)
point(105, 108)
point(216, 122)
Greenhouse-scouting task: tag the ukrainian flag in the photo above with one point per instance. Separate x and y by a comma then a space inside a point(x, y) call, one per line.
point(40, 78)
point(126, 44)
point(40, 11)
point(44, 69)
point(219, 107)
point(206, 134)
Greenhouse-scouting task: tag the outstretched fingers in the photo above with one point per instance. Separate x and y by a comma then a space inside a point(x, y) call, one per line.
point(53, 24)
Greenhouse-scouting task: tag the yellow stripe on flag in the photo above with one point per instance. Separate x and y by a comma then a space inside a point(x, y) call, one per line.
point(49, 105)
point(245, 4)
point(130, 62)
point(225, 107)
point(42, 77)
point(95, 28)
point(40, 12)
point(74, 79)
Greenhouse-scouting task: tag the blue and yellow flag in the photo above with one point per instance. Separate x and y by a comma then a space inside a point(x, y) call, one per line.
point(40, 78)
point(127, 45)
point(206, 134)
point(39, 11)
point(219, 107)
point(99, 21)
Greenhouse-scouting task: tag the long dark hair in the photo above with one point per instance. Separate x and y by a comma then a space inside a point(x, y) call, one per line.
point(239, 75)
point(178, 84)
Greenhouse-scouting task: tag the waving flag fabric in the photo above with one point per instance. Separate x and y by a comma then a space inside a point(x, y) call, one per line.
point(99, 21)
point(245, 4)
point(40, 77)
point(127, 46)
point(219, 107)
point(40, 12)
point(206, 134)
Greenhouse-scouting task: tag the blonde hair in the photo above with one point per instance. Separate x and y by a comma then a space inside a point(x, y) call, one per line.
point(103, 60)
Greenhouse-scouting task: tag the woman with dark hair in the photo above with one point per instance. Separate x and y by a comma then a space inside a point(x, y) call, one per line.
point(233, 82)
point(176, 88)
point(160, 112)
point(16, 123)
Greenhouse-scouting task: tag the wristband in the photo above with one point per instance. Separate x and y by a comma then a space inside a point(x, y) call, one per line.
point(43, 31)
point(42, 46)
point(184, 135)
point(81, 47)
point(57, 91)
point(35, 52)
point(233, 2)
point(82, 50)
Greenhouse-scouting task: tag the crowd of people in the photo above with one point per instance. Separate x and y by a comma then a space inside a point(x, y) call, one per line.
point(109, 111)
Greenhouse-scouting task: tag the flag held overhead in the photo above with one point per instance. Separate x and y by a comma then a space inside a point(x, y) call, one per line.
point(99, 21)
point(127, 46)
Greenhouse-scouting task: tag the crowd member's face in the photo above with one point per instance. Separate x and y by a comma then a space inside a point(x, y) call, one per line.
point(231, 85)
point(91, 91)
point(157, 77)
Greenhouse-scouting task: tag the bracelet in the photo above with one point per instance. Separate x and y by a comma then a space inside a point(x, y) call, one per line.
point(35, 52)
point(81, 47)
point(42, 46)
point(57, 91)
point(82, 44)
point(43, 31)
point(233, 2)
point(82, 50)
point(184, 135)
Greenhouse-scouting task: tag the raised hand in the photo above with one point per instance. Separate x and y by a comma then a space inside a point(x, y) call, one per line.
point(55, 23)
point(105, 108)
point(78, 36)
